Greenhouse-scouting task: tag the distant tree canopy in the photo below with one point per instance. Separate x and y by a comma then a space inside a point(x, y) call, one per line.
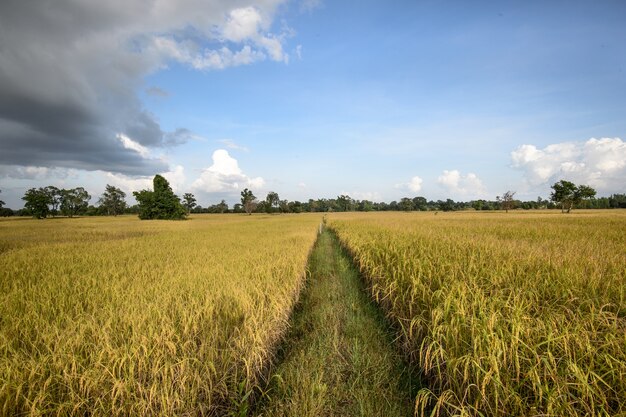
point(272, 200)
point(189, 201)
point(568, 194)
point(74, 201)
point(248, 201)
point(1, 202)
point(506, 201)
point(37, 201)
point(112, 201)
point(161, 203)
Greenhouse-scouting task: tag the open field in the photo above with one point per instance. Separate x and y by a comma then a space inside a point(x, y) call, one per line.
point(506, 314)
point(115, 316)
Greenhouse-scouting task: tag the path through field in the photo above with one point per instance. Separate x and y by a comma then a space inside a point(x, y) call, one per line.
point(339, 358)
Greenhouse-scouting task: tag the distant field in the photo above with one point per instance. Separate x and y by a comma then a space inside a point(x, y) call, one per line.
point(116, 316)
point(507, 314)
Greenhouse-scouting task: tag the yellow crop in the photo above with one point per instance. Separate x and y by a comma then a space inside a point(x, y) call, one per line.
point(507, 314)
point(116, 316)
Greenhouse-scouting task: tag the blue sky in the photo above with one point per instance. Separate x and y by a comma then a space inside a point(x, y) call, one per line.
point(378, 100)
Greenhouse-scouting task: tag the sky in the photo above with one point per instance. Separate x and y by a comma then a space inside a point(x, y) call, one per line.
point(378, 100)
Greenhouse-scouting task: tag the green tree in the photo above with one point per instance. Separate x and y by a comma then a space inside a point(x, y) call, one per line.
point(405, 204)
point(1, 202)
point(37, 201)
point(74, 201)
point(506, 201)
point(189, 201)
point(55, 198)
point(161, 203)
point(344, 203)
point(222, 207)
point(248, 201)
point(112, 201)
point(567, 194)
point(272, 200)
point(420, 203)
point(283, 205)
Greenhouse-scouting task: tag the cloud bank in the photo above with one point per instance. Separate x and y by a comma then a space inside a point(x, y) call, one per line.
point(464, 186)
point(600, 163)
point(414, 185)
point(70, 72)
point(225, 176)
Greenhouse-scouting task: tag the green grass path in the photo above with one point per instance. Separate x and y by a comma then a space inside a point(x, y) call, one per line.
point(339, 358)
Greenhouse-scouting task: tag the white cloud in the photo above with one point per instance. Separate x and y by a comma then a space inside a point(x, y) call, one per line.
point(224, 175)
point(243, 23)
point(363, 195)
point(35, 172)
point(128, 143)
point(600, 163)
point(458, 185)
point(232, 145)
point(175, 177)
point(414, 185)
point(301, 185)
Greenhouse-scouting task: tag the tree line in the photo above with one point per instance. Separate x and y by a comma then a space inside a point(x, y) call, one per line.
point(162, 203)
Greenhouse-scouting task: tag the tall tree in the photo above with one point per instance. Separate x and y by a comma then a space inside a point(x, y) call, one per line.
point(567, 194)
point(1, 202)
point(37, 200)
point(506, 200)
point(189, 201)
point(55, 198)
point(405, 204)
point(222, 207)
point(112, 200)
point(272, 200)
point(248, 201)
point(161, 203)
point(74, 201)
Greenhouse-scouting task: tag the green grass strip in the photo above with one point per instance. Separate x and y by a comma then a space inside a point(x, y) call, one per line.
point(339, 358)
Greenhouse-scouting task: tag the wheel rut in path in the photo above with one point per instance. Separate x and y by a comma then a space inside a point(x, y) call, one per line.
point(339, 358)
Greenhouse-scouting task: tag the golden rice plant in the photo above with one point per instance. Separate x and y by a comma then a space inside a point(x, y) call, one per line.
point(116, 316)
point(506, 314)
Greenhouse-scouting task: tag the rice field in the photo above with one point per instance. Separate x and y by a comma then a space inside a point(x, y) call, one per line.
point(506, 314)
point(117, 316)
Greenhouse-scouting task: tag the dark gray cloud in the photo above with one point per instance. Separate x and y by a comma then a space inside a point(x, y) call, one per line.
point(70, 70)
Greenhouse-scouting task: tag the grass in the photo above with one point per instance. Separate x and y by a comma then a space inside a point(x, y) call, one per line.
point(339, 358)
point(115, 316)
point(506, 314)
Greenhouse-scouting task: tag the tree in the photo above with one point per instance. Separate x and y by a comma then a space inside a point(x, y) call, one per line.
point(248, 201)
point(37, 201)
point(506, 200)
point(112, 201)
point(272, 200)
point(161, 203)
point(344, 203)
point(283, 205)
point(55, 198)
point(405, 204)
point(1, 202)
point(74, 201)
point(189, 201)
point(420, 203)
point(222, 207)
point(568, 194)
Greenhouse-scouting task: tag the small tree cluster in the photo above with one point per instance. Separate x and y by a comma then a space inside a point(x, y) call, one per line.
point(112, 201)
point(568, 194)
point(161, 203)
point(44, 201)
point(248, 201)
